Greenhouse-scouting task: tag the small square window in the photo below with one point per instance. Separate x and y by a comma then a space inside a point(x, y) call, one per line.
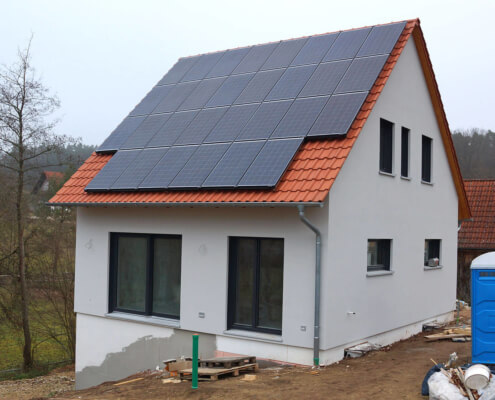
point(379, 254)
point(432, 253)
point(386, 146)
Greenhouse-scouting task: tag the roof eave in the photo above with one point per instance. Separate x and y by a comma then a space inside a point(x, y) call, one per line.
point(190, 204)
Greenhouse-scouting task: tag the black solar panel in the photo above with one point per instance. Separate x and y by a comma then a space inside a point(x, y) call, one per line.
point(199, 166)
point(347, 45)
point(170, 131)
point(168, 167)
point(178, 70)
point(255, 58)
point(139, 169)
point(145, 131)
point(203, 92)
point(291, 83)
point(228, 62)
point(362, 74)
point(265, 120)
point(233, 164)
point(283, 55)
point(325, 79)
point(338, 115)
point(259, 86)
point(381, 40)
point(118, 137)
point(202, 67)
point(230, 90)
point(300, 117)
point(231, 123)
point(271, 163)
point(315, 48)
point(112, 170)
point(175, 97)
point(201, 126)
point(152, 99)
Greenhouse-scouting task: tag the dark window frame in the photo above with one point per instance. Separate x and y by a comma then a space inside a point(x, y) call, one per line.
point(433, 249)
point(384, 254)
point(386, 156)
point(113, 277)
point(404, 151)
point(232, 286)
point(426, 158)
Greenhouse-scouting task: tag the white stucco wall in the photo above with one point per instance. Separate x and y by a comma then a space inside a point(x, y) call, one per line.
point(364, 204)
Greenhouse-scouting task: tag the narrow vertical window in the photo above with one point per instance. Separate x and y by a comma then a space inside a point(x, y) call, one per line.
point(386, 146)
point(404, 149)
point(426, 159)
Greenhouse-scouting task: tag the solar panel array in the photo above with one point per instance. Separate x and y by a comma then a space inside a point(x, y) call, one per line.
point(235, 119)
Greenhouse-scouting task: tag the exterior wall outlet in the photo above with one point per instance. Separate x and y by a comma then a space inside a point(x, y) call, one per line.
point(201, 315)
point(303, 328)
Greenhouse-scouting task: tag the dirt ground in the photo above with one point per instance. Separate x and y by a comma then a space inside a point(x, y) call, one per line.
point(394, 373)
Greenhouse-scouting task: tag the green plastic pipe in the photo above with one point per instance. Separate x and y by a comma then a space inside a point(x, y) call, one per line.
point(195, 339)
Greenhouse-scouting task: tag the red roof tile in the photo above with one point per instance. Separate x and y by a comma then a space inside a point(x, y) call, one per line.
point(479, 233)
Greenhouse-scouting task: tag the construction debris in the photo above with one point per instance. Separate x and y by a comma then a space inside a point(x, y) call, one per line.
point(171, 380)
point(248, 378)
point(452, 333)
point(360, 350)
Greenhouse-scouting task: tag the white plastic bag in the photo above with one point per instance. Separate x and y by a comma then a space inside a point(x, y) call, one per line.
point(488, 393)
point(442, 389)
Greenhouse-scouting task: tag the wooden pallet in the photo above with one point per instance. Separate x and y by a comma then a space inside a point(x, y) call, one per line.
point(226, 362)
point(212, 374)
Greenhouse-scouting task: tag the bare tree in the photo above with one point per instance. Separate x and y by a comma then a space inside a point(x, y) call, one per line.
point(26, 133)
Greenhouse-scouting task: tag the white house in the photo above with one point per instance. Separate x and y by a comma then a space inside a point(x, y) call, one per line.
point(344, 230)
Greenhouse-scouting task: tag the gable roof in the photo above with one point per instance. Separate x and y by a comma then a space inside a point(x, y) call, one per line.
point(479, 232)
point(309, 176)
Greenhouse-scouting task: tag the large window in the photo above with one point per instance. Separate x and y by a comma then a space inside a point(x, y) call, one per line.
point(426, 159)
point(386, 146)
point(256, 269)
point(145, 274)
point(432, 252)
point(379, 254)
point(404, 150)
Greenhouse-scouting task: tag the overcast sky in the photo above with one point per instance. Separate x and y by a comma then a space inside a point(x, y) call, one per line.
point(101, 57)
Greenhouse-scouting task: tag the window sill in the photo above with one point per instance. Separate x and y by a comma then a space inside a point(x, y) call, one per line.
point(144, 319)
point(432, 268)
point(427, 183)
point(370, 274)
point(265, 337)
point(406, 178)
point(392, 175)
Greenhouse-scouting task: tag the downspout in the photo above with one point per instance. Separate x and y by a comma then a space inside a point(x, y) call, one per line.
point(316, 338)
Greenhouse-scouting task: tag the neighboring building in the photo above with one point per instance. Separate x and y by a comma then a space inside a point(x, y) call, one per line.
point(476, 236)
point(47, 179)
point(199, 212)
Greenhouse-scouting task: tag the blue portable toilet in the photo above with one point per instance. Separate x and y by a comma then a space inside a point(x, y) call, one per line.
point(483, 309)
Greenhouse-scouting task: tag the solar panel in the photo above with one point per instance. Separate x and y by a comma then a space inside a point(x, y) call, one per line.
point(152, 99)
point(118, 137)
point(325, 79)
point(347, 45)
point(259, 86)
point(230, 90)
point(203, 66)
point(199, 166)
point(255, 58)
point(112, 170)
point(139, 169)
point(300, 117)
point(168, 167)
point(314, 49)
point(231, 123)
point(203, 92)
point(265, 120)
point(271, 163)
point(381, 40)
point(201, 126)
point(175, 97)
point(338, 115)
point(176, 73)
point(233, 164)
point(283, 55)
point(291, 83)
point(228, 62)
point(145, 131)
point(362, 74)
point(171, 130)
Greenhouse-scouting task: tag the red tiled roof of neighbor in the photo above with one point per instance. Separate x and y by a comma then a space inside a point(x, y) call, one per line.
point(309, 176)
point(479, 233)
